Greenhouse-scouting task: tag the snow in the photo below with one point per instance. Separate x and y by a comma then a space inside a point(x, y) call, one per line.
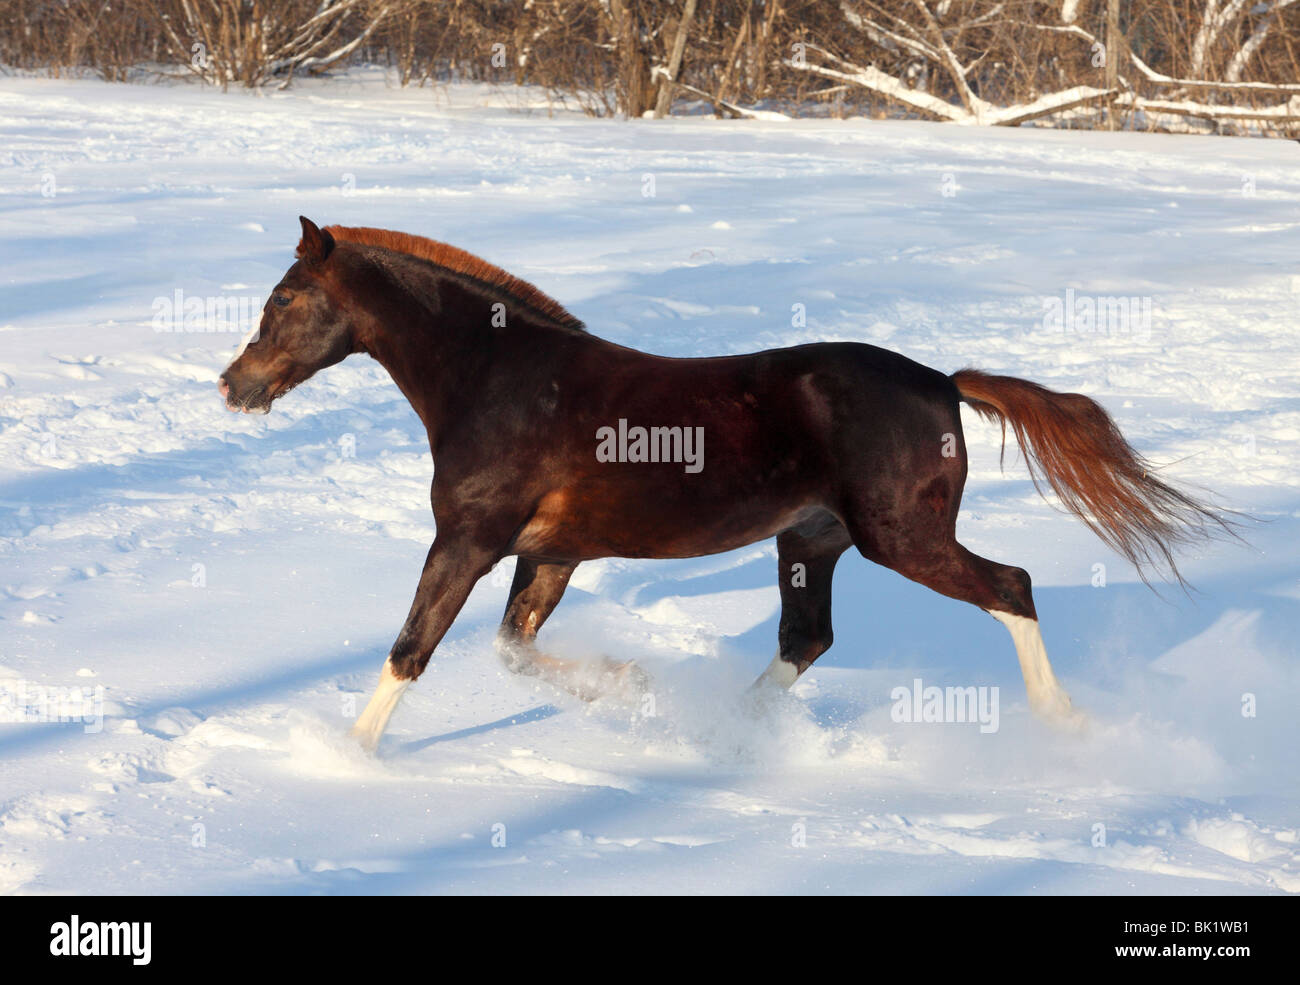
point(232, 583)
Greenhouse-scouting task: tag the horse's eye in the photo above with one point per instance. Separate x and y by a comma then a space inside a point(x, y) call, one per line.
point(280, 300)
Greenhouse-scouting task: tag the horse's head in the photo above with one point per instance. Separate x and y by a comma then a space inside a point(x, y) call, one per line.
point(303, 329)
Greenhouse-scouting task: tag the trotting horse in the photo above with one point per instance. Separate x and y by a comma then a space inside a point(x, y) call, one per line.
point(823, 446)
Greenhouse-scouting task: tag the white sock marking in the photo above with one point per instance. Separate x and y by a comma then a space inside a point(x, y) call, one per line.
point(374, 719)
point(1046, 696)
point(780, 672)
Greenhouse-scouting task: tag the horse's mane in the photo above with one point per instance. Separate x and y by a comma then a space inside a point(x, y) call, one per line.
point(461, 262)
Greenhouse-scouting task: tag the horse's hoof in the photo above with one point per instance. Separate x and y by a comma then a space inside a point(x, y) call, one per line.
point(365, 738)
point(1060, 713)
point(1075, 722)
point(624, 678)
point(633, 679)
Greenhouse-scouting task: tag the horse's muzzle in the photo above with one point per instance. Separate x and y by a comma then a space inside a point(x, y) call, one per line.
point(250, 401)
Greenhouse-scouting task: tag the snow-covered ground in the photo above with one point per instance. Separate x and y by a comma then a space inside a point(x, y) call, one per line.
point(233, 583)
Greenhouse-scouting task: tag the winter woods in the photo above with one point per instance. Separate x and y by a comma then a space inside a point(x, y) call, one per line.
point(1207, 65)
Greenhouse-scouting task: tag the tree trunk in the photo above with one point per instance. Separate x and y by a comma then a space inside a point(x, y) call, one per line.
point(666, 84)
point(635, 87)
point(1114, 52)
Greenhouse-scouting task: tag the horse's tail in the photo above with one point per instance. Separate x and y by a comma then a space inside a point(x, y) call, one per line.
point(1071, 441)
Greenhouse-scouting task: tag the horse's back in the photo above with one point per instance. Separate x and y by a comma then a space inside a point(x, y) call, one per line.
point(788, 432)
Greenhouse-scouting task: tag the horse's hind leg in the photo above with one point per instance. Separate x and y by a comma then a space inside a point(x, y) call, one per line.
point(534, 594)
point(1005, 593)
point(909, 524)
point(806, 559)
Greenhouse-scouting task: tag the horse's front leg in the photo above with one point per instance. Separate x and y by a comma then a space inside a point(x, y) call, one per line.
point(453, 566)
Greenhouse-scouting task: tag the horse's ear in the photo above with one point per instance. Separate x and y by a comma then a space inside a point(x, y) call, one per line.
point(316, 243)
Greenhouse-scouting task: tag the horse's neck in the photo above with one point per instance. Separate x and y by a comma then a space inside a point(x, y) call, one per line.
point(439, 355)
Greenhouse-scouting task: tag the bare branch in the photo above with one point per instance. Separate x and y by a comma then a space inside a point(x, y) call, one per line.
point(872, 78)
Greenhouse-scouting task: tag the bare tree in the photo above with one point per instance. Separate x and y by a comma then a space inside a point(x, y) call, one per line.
point(250, 42)
point(1226, 65)
point(668, 77)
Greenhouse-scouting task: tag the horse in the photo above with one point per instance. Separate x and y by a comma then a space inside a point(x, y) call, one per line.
point(557, 447)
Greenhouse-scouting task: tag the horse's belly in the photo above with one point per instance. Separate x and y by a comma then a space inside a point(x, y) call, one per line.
point(575, 527)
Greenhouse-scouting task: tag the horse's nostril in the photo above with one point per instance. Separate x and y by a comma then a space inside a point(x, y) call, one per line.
point(222, 386)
